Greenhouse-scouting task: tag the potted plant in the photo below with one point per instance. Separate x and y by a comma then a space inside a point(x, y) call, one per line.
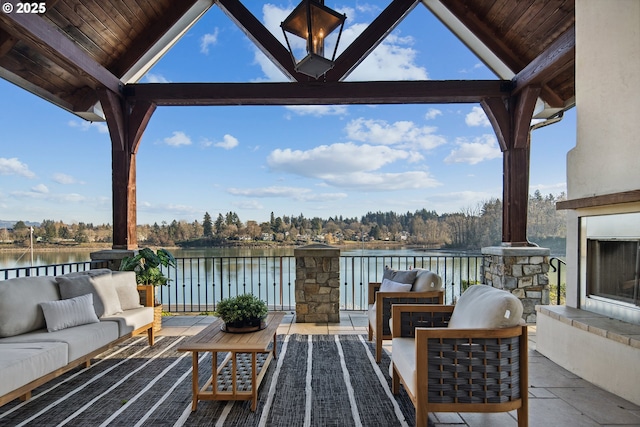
point(146, 264)
point(242, 313)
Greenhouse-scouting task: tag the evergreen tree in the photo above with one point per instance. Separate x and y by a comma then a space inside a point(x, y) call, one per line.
point(207, 225)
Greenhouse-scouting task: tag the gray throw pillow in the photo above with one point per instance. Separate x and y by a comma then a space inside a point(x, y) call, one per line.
point(127, 289)
point(105, 297)
point(400, 276)
point(67, 313)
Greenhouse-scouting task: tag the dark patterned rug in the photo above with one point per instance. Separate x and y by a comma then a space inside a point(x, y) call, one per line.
point(317, 380)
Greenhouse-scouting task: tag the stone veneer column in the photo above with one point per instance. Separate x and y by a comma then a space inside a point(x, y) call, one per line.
point(521, 271)
point(317, 284)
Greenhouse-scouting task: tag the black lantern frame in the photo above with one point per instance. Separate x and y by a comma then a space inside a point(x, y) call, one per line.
point(313, 21)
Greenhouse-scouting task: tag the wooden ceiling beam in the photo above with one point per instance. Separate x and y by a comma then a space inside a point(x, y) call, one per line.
point(261, 37)
point(370, 38)
point(318, 93)
point(559, 56)
point(42, 36)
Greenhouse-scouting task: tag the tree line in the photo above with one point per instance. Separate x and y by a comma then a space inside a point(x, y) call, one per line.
point(470, 228)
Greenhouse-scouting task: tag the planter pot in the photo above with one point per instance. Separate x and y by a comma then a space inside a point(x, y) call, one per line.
point(157, 318)
point(249, 325)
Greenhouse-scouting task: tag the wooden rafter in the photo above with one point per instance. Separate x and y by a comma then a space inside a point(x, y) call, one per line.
point(370, 38)
point(261, 37)
point(559, 56)
point(318, 93)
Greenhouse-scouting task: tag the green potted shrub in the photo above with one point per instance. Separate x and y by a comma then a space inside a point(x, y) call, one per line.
point(242, 313)
point(146, 264)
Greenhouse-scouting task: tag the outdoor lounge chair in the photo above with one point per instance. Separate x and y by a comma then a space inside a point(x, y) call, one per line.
point(426, 288)
point(471, 357)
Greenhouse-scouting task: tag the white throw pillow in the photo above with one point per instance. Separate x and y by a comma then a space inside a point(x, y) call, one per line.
point(426, 281)
point(67, 313)
point(391, 286)
point(485, 307)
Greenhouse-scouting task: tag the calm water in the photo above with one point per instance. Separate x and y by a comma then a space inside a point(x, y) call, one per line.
point(23, 258)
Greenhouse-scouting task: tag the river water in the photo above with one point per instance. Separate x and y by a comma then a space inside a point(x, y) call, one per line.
point(16, 259)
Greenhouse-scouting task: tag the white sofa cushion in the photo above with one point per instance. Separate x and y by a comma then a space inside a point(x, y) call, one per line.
point(20, 300)
point(130, 320)
point(426, 281)
point(67, 313)
point(403, 357)
point(127, 289)
point(105, 296)
point(21, 363)
point(80, 340)
point(485, 307)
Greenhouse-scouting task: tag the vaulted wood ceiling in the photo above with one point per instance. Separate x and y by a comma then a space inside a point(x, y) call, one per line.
point(79, 46)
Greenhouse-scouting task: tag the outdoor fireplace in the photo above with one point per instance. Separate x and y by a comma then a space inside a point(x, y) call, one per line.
point(610, 265)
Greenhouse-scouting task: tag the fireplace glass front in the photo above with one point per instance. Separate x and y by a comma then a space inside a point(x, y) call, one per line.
point(612, 269)
point(610, 265)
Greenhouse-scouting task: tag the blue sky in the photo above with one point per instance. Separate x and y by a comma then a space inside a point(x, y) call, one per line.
point(314, 160)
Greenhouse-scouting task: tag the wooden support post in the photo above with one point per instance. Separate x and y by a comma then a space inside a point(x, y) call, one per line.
point(511, 120)
point(126, 124)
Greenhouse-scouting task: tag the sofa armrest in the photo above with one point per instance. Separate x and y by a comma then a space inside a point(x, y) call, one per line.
point(374, 287)
point(408, 317)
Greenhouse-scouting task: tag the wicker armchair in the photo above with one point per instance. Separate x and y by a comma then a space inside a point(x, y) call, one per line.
point(380, 310)
point(458, 370)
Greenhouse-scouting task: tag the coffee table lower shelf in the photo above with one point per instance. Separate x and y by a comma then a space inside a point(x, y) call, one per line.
point(234, 387)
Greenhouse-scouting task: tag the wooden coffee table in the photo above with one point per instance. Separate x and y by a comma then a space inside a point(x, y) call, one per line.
point(240, 374)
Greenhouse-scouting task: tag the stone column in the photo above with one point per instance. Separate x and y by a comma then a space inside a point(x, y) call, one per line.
point(112, 257)
point(317, 284)
point(521, 271)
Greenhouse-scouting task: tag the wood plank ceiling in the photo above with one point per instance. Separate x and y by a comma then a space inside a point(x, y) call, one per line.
point(78, 46)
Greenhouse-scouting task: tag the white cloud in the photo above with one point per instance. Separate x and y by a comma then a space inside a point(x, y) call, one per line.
point(318, 110)
point(294, 193)
point(40, 188)
point(432, 114)
point(480, 149)
point(477, 117)
point(177, 139)
point(62, 178)
point(210, 39)
point(228, 142)
point(327, 160)
point(405, 134)
point(347, 165)
point(13, 166)
point(155, 78)
point(393, 59)
point(383, 181)
point(85, 126)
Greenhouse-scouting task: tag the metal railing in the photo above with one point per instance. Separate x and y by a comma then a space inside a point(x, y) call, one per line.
point(50, 270)
point(198, 283)
point(558, 267)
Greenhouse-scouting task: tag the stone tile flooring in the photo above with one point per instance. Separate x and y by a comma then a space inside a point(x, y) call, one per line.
point(556, 396)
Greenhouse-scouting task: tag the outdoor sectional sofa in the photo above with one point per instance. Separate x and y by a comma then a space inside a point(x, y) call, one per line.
point(49, 325)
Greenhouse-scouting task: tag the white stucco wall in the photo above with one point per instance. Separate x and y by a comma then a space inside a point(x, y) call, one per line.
point(606, 158)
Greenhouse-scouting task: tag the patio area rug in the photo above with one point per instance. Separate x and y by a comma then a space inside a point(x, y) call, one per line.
point(317, 380)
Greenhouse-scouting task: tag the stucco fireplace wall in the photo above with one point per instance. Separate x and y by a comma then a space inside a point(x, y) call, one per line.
point(605, 161)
